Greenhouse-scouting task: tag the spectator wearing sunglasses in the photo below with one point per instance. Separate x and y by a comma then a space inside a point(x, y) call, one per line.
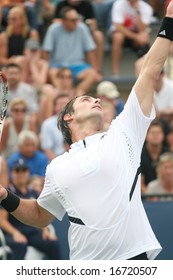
point(49, 92)
point(69, 43)
point(18, 120)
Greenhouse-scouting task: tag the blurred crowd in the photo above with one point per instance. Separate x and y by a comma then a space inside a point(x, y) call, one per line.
point(52, 51)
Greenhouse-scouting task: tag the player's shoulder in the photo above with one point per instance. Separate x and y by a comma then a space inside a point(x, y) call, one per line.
point(58, 160)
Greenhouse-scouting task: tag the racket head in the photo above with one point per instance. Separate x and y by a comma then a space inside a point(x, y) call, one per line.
point(3, 99)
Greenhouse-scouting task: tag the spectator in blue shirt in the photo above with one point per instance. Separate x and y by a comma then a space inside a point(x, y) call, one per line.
point(28, 149)
point(69, 43)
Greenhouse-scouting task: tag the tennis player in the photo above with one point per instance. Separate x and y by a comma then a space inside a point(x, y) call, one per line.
point(97, 182)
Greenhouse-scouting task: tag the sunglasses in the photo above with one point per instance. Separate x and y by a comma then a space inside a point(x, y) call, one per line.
point(72, 19)
point(66, 76)
point(21, 169)
point(19, 110)
point(12, 18)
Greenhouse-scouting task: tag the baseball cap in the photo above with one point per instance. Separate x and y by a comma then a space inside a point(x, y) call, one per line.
point(32, 44)
point(107, 89)
point(20, 164)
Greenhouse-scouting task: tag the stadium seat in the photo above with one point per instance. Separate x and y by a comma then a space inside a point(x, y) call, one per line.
point(160, 215)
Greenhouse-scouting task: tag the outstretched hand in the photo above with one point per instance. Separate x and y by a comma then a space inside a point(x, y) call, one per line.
point(169, 10)
point(3, 193)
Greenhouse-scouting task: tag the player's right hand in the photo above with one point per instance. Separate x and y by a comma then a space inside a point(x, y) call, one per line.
point(169, 11)
point(3, 193)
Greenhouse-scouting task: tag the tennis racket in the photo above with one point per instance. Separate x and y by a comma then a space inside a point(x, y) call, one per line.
point(3, 100)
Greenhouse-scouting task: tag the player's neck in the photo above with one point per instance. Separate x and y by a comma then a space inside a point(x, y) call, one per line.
point(83, 132)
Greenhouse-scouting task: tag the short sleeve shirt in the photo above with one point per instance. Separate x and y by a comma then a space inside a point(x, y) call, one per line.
point(68, 48)
point(93, 181)
point(124, 13)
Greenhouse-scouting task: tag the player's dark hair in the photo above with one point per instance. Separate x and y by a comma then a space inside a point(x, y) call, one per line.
point(62, 124)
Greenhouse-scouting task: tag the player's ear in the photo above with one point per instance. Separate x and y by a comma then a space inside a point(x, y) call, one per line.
point(68, 117)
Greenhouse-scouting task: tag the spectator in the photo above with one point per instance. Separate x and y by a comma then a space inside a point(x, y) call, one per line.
point(109, 114)
point(158, 8)
point(28, 6)
point(108, 91)
point(51, 138)
point(163, 98)
point(102, 10)
point(18, 88)
point(154, 146)
point(48, 9)
point(86, 12)
point(28, 150)
point(170, 139)
point(168, 67)
point(36, 184)
point(18, 236)
point(2, 28)
point(163, 184)
point(35, 64)
point(45, 10)
point(12, 40)
point(49, 92)
point(130, 19)
point(66, 44)
point(3, 172)
point(17, 121)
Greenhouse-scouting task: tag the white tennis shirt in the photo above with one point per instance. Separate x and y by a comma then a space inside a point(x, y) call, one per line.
point(93, 183)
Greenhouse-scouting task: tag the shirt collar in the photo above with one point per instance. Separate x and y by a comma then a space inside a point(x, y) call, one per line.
point(88, 140)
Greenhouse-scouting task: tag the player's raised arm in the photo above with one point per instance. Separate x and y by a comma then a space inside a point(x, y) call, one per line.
point(154, 61)
point(26, 210)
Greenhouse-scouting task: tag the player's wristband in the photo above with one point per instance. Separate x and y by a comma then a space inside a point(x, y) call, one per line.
point(166, 29)
point(11, 202)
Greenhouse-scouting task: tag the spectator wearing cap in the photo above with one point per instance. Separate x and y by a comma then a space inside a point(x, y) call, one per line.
point(108, 91)
point(36, 68)
point(28, 150)
point(18, 236)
